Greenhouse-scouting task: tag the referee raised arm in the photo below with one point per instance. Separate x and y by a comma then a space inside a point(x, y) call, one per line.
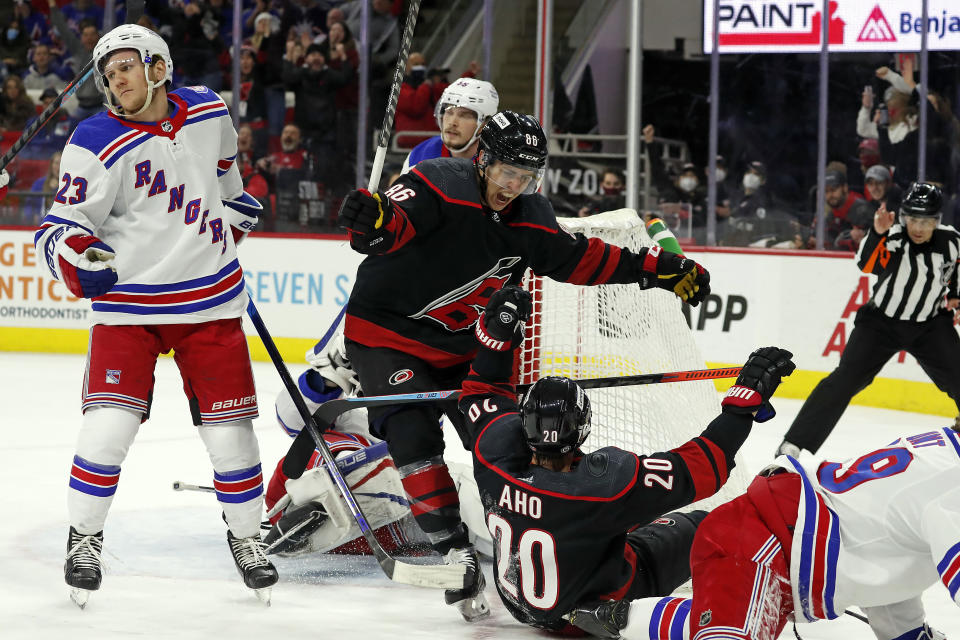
point(912, 309)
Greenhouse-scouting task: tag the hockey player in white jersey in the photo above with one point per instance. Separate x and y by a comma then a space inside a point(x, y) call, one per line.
point(462, 111)
point(808, 540)
point(146, 224)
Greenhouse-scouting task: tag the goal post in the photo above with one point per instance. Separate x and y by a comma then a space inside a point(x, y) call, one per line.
point(621, 330)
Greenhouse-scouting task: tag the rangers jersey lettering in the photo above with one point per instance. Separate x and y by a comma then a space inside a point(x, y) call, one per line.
point(164, 196)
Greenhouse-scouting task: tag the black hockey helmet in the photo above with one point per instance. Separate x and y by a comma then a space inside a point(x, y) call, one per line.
point(514, 139)
point(556, 416)
point(922, 200)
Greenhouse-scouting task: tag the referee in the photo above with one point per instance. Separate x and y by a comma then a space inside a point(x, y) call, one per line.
point(912, 309)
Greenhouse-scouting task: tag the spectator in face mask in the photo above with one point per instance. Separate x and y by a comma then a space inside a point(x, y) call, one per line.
point(685, 198)
point(612, 196)
point(724, 188)
point(751, 200)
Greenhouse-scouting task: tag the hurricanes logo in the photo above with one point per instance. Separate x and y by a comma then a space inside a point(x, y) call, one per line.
point(460, 308)
point(401, 376)
point(669, 522)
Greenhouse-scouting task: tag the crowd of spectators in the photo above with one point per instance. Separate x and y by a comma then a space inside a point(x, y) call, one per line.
point(297, 156)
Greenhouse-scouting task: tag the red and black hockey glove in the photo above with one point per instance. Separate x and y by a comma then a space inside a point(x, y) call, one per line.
point(757, 382)
point(501, 325)
point(499, 331)
point(367, 218)
point(671, 271)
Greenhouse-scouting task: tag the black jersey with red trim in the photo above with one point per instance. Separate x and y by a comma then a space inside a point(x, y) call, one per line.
point(560, 537)
point(446, 255)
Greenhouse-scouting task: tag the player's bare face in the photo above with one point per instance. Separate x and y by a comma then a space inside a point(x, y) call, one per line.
point(921, 229)
point(127, 82)
point(504, 183)
point(459, 123)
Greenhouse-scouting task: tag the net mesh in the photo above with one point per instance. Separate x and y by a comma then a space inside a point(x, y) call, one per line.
point(620, 330)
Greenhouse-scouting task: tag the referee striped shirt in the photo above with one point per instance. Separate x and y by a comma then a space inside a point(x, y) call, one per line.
point(914, 280)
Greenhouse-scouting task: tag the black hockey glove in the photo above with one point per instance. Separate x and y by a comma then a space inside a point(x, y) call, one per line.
point(671, 271)
point(501, 325)
point(367, 217)
point(757, 381)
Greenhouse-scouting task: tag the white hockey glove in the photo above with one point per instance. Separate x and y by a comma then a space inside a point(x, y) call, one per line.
point(4, 181)
point(332, 363)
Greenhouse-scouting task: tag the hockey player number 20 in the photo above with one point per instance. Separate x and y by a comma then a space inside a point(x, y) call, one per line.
point(532, 542)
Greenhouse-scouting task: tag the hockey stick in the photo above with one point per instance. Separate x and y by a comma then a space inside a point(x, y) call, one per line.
point(301, 448)
point(398, 73)
point(45, 116)
point(186, 486)
point(445, 576)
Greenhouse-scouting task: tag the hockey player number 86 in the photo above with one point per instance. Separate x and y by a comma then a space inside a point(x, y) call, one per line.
point(529, 540)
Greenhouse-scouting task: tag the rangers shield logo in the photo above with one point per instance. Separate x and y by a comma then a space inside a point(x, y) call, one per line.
point(113, 376)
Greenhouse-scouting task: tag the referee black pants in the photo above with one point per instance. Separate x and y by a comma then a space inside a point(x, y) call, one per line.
point(874, 340)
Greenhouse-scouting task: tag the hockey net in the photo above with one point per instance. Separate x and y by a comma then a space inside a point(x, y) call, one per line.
point(620, 330)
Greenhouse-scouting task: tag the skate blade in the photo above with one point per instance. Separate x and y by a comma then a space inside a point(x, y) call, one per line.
point(473, 609)
point(80, 597)
point(263, 595)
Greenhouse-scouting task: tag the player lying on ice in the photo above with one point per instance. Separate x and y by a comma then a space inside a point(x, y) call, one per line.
point(308, 514)
point(570, 528)
point(809, 539)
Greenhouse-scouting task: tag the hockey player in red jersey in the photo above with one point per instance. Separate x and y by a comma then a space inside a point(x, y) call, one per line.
point(810, 538)
point(564, 523)
point(146, 226)
point(443, 239)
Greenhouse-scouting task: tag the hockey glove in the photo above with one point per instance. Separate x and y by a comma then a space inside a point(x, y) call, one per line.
point(242, 213)
point(367, 218)
point(757, 382)
point(500, 327)
point(331, 362)
point(671, 271)
point(86, 264)
point(4, 181)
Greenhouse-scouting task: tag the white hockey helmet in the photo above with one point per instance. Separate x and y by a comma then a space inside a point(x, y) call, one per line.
point(140, 39)
point(477, 95)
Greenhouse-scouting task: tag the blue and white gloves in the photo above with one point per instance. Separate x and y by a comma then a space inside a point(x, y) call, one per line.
point(85, 263)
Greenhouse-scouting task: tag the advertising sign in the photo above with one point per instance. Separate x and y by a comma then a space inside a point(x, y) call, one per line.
point(792, 26)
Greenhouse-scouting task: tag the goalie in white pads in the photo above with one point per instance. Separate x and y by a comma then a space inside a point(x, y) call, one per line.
point(809, 539)
point(308, 513)
point(146, 224)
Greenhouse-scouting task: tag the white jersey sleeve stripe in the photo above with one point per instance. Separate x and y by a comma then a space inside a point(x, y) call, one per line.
point(949, 568)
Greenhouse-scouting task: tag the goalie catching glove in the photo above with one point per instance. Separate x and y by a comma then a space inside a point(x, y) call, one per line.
point(757, 382)
point(674, 272)
point(369, 220)
point(85, 264)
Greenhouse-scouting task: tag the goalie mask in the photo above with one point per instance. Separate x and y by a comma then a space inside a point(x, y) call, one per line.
point(513, 144)
point(478, 96)
point(556, 416)
point(148, 46)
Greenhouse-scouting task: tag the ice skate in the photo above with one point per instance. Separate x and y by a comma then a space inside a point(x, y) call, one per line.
point(292, 532)
point(787, 448)
point(257, 571)
point(82, 569)
point(470, 601)
point(603, 619)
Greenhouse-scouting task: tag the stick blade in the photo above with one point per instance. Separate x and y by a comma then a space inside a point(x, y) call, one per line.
point(431, 576)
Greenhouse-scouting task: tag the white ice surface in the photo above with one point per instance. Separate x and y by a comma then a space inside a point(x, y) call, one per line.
point(168, 571)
